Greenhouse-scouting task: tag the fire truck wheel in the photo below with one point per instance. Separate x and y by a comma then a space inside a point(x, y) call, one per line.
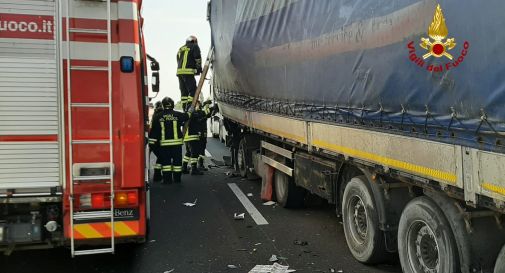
point(425, 239)
point(361, 223)
point(287, 193)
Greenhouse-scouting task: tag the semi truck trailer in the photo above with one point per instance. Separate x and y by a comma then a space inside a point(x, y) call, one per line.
point(391, 110)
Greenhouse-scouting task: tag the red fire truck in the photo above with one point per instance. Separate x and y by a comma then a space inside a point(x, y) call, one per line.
point(73, 95)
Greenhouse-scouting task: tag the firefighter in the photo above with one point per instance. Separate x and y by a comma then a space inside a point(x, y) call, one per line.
point(193, 141)
point(189, 64)
point(167, 134)
point(158, 110)
point(203, 139)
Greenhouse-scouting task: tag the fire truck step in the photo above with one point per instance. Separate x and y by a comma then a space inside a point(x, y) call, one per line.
point(89, 141)
point(91, 105)
point(89, 68)
point(92, 178)
point(88, 31)
point(93, 251)
point(92, 215)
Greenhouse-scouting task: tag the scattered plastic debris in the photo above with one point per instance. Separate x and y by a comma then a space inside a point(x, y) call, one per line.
point(300, 243)
point(250, 194)
point(231, 266)
point(152, 241)
point(238, 216)
point(241, 249)
point(269, 203)
point(190, 204)
point(170, 271)
point(340, 271)
point(273, 258)
point(275, 268)
point(332, 270)
point(257, 244)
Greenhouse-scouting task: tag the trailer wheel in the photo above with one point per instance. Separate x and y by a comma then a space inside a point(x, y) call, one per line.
point(361, 223)
point(242, 159)
point(287, 193)
point(425, 240)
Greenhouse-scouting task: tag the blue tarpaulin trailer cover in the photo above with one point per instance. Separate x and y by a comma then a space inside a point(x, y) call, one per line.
point(430, 69)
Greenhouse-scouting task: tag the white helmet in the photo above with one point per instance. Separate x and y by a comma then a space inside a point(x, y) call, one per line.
point(192, 39)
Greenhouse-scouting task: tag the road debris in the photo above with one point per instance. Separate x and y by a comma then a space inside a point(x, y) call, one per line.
point(269, 203)
point(257, 244)
point(238, 216)
point(275, 268)
point(190, 204)
point(152, 241)
point(232, 266)
point(300, 243)
point(273, 258)
point(250, 194)
point(170, 271)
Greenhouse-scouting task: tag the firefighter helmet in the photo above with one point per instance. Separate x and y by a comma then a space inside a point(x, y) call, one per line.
point(192, 39)
point(168, 103)
point(158, 105)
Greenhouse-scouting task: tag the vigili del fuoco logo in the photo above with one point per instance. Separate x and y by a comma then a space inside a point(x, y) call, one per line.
point(438, 46)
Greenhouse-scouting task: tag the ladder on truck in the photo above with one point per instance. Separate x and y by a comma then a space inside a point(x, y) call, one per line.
point(108, 214)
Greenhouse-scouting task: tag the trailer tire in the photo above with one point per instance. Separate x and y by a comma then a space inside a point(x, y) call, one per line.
point(425, 239)
point(242, 159)
point(287, 193)
point(361, 223)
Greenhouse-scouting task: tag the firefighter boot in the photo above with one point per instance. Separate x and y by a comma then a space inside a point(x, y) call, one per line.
point(195, 170)
point(177, 178)
point(201, 165)
point(157, 175)
point(167, 178)
point(185, 168)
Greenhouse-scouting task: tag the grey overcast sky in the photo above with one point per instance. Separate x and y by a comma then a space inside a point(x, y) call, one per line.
point(167, 24)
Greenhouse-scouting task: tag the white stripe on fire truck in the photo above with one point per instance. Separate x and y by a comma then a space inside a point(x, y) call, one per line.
point(98, 51)
point(84, 10)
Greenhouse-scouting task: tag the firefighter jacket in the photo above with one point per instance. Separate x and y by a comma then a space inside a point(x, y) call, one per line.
point(167, 128)
point(156, 115)
point(189, 60)
point(208, 112)
point(196, 127)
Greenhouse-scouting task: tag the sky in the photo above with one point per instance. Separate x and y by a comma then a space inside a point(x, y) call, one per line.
point(167, 24)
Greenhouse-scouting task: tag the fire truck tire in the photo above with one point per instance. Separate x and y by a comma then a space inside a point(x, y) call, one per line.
point(361, 223)
point(425, 239)
point(287, 193)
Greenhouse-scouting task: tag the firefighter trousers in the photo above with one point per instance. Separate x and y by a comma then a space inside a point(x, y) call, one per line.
point(201, 156)
point(187, 85)
point(193, 151)
point(171, 162)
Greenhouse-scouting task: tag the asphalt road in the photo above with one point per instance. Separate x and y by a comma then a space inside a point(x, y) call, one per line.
point(206, 238)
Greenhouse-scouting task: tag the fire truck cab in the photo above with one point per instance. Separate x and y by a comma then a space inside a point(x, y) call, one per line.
point(73, 110)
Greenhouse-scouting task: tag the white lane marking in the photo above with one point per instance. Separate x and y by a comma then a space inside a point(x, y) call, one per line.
point(207, 153)
point(251, 209)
